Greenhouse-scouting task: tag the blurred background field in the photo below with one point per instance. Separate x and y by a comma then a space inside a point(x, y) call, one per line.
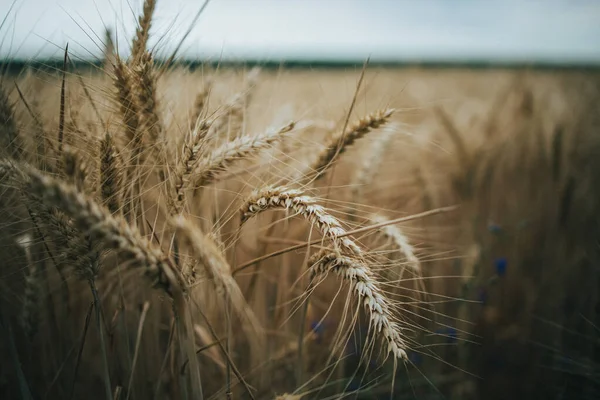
point(471, 189)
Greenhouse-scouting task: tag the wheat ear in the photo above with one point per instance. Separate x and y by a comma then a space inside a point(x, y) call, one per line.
point(200, 105)
point(244, 146)
point(369, 293)
point(340, 142)
point(126, 99)
point(394, 234)
point(370, 164)
point(147, 100)
point(73, 167)
point(110, 174)
point(142, 33)
point(293, 199)
point(107, 231)
point(191, 152)
point(231, 117)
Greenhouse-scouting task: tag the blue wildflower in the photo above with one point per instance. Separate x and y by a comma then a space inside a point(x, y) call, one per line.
point(500, 265)
point(318, 329)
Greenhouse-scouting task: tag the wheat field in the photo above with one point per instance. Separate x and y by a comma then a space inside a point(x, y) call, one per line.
point(248, 233)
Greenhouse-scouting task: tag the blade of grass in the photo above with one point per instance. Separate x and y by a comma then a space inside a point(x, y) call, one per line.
point(138, 339)
point(79, 354)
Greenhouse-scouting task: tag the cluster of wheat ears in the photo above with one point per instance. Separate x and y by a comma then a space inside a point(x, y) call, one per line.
point(236, 233)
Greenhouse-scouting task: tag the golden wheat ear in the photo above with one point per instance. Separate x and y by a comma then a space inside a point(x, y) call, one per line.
point(200, 105)
point(371, 162)
point(341, 141)
point(306, 206)
point(217, 161)
point(366, 287)
point(110, 174)
point(106, 231)
point(123, 82)
point(74, 167)
point(142, 33)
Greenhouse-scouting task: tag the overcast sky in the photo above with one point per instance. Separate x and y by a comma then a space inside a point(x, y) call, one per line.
point(546, 30)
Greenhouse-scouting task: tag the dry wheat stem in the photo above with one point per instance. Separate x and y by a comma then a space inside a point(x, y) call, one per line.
point(366, 287)
point(217, 269)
